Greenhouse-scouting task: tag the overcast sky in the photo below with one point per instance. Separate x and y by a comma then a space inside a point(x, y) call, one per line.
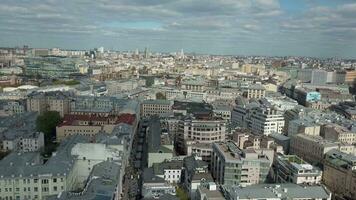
point(322, 28)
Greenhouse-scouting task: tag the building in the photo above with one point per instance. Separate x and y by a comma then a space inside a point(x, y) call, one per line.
point(245, 139)
point(303, 126)
point(170, 171)
point(18, 133)
point(52, 66)
point(156, 107)
point(350, 76)
point(340, 174)
point(258, 118)
point(233, 166)
point(49, 101)
point(292, 169)
point(335, 132)
point(194, 85)
point(15, 107)
point(159, 144)
point(103, 106)
point(27, 176)
point(209, 191)
point(90, 125)
point(103, 182)
point(24, 176)
point(196, 133)
point(154, 186)
point(256, 91)
point(313, 148)
point(223, 112)
point(196, 174)
point(319, 77)
point(347, 109)
point(278, 192)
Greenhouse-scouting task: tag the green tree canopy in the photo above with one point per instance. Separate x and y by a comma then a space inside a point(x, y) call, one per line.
point(47, 123)
point(160, 95)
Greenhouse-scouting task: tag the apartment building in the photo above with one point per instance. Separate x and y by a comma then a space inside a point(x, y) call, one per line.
point(104, 181)
point(24, 176)
point(170, 171)
point(27, 176)
point(196, 173)
point(90, 125)
point(156, 107)
point(15, 107)
point(245, 139)
point(154, 186)
point(292, 169)
point(49, 101)
point(233, 166)
point(340, 174)
point(100, 106)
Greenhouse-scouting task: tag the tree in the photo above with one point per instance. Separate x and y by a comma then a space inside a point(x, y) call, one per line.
point(47, 123)
point(160, 95)
point(181, 194)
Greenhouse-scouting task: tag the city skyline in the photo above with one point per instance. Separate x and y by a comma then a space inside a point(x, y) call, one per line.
point(258, 27)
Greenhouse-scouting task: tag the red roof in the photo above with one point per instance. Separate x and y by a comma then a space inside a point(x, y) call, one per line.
point(126, 118)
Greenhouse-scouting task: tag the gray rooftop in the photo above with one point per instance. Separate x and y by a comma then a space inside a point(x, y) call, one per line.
point(30, 163)
point(102, 184)
point(281, 191)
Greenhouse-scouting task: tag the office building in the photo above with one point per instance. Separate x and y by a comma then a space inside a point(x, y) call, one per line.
point(258, 118)
point(199, 130)
point(233, 166)
point(292, 169)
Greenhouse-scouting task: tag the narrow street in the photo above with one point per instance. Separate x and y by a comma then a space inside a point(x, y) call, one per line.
point(132, 179)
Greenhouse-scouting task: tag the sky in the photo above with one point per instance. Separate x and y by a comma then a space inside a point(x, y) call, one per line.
point(318, 28)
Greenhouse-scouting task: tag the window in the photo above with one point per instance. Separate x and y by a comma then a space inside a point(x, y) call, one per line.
point(54, 180)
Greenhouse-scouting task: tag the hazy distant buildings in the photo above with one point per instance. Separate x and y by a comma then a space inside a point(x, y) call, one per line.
point(52, 67)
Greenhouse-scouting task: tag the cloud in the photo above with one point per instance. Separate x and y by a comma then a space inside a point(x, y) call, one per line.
point(209, 26)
